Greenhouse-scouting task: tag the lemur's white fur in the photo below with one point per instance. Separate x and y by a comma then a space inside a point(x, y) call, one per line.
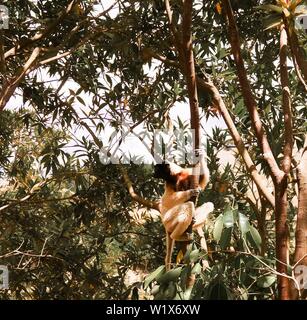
point(177, 211)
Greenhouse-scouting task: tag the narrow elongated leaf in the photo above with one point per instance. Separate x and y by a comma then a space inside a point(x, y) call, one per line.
point(195, 254)
point(270, 7)
point(266, 281)
point(254, 238)
point(218, 227)
point(225, 238)
point(243, 224)
point(153, 276)
point(184, 276)
point(170, 292)
point(272, 21)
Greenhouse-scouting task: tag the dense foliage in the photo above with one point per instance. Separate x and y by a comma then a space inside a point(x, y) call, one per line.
point(69, 228)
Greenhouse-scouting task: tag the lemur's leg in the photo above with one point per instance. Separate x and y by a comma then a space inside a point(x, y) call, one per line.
point(169, 250)
point(202, 213)
point(204, 174)
point(177, 219)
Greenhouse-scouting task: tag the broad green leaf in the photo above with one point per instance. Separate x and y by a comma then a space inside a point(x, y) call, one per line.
point(197, 268)
point(153, 276)
point(187, 293)
point(266, 281)
point(186, 257)
point(243, 224)
point(170, 292)
point(155, 289)
point(218, 291)
point(228, 218)
point(171, 275)
point(195, 254)
point(184, 276)
point(218, 227)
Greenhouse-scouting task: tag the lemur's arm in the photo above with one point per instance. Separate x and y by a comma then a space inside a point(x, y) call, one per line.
point(170, 198)
point(183, 196)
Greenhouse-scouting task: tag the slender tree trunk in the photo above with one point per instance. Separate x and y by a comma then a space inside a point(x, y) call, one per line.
point(282, 237)
point(300, 255)
point(189, 68)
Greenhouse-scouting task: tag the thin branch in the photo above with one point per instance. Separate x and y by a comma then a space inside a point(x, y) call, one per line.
point(147, 203)
point(2, 59)
point(162, 58)
point(32, 192)
point(17, 252)
point(173, 29)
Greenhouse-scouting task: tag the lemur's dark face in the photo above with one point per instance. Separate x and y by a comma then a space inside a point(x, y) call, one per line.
point(162, 171)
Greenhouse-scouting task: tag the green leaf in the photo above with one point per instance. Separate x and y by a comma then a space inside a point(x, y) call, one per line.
point(270, 7)
point(187, 293)
point(153, 276)
point(254, 238)
point(272, 21)
point(135, 294)
point(169, 276)
point(225, 238)
point(81, 100)
point(266, 281)
point(195, 254)
point(197, 268)
point(243, 224)
point(155, 289)
point(218, 227)
point(218, 291)
point(170, 292)
point(184, 276)
point(228, 218)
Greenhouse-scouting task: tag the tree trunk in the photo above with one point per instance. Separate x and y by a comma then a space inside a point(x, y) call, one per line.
point(282, 237)
point(300, 255)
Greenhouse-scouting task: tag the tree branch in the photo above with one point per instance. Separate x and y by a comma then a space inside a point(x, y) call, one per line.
point(251, 168)
point(187, 48)
point(40, 35)
point(296, 50)
point(147, 203)
point(249, 99)
point(286, 102)
point(10, 87)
